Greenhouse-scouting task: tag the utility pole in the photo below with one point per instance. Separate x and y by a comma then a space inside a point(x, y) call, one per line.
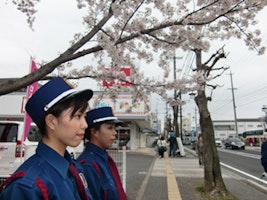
point(234, 106)
point(196, 122)
point(175, 108)
point(181, 117)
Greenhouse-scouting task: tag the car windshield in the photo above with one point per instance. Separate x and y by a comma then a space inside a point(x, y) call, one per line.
point(236, 140)
point(8, 132)
point(34, 135)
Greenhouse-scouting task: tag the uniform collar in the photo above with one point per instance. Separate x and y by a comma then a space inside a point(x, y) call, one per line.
point(49, 155)
point(96, 150)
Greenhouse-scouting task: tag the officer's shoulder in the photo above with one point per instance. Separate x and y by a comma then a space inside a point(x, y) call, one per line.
point(28, 176)
point(87, 158)
point(29, 171)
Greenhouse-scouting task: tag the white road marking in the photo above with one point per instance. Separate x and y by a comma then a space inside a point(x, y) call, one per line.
point(241, 153)
point(244, 173)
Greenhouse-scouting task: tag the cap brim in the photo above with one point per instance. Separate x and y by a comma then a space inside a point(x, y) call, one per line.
point(87, 94)
point(115, 121)
point(118, 122)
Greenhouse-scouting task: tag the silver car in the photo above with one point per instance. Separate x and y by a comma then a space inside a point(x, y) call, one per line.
point(234, 143)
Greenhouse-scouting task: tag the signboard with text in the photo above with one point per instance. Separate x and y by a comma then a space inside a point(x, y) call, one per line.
point(123, 105)
point(127, 72)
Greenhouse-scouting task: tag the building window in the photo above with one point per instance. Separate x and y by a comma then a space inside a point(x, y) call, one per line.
point(223, 127)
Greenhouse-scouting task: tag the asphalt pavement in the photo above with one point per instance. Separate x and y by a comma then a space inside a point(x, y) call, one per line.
point(151, 177)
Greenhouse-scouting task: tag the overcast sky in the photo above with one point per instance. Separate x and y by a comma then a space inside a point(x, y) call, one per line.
point(53, 31)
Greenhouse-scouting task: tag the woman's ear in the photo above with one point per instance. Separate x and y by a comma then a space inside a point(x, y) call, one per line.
point(50, 121)
point(93, 131)
point(94, 134)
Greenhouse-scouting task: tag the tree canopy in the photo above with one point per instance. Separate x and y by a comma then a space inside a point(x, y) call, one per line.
point(119, 33)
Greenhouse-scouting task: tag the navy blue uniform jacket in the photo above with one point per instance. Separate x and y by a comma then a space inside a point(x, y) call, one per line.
point(45, 171)
point(94, 161)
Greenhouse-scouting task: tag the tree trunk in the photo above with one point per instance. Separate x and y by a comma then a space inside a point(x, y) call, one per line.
point(213, 181)
point(175, 121)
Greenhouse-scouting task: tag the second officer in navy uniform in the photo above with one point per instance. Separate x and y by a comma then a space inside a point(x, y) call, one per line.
point(100, 170)
point(59, 111)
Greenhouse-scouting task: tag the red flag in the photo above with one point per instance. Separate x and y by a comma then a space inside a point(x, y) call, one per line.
point(31, 89)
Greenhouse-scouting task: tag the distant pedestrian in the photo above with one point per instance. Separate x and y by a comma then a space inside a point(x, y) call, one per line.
point(200, 147)
point(250, 141)
point(162, 146)
point(100, 169)
point(264, 156)
point(173, 145)
point(59, 112)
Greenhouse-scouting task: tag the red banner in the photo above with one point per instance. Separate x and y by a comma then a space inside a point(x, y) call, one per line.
point(31, 89)
point(127, 72)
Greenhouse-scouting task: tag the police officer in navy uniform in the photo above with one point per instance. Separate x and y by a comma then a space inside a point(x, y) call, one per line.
point(99, 168)
point(264, 157)
point(59, 111)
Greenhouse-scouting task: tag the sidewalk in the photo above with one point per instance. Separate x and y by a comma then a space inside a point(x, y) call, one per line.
point(177, 178)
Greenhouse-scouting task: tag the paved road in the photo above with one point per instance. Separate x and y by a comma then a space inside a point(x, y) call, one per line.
point(148, 178)
point(249, 163)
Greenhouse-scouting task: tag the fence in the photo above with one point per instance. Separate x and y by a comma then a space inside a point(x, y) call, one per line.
point(119, 156)
point(3, 178)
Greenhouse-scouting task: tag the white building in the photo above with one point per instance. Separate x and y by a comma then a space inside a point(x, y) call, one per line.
point(226, 128)
point(12, 107)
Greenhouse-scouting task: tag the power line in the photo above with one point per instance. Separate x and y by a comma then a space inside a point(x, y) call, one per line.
point(244, 97)
point(252, 101)
point(250, 94)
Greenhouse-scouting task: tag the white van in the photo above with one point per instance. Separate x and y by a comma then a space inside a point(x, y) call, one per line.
point(13, 151)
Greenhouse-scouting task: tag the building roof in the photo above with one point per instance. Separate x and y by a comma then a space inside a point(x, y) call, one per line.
point(240, 120)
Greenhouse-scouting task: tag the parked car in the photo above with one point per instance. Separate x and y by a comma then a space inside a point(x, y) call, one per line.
point(218, 142)
point(234, 143)
point(13, 151)
point(187, 141)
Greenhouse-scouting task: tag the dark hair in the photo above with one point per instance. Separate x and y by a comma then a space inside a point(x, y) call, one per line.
point(78, 104)
point(95, 126)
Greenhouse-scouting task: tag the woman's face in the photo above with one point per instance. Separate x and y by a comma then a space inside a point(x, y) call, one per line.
point(66, 130)
point(105, 136)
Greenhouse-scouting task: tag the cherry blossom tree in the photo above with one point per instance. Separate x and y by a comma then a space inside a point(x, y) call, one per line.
point(124, 32)
point(213, 181)
point(119, 33)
